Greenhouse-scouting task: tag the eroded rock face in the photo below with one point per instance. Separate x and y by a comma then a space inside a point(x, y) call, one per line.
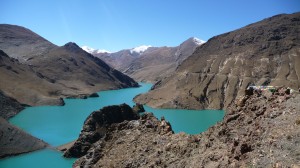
point(263, 53)
point(141, 133)
point(264, 131)
point(252, 132)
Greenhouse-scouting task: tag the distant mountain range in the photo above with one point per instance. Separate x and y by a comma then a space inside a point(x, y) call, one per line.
point(219, 71)
point(147, 63)
point(37, 72)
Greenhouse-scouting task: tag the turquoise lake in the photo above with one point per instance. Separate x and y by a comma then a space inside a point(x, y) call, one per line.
point(58, 125)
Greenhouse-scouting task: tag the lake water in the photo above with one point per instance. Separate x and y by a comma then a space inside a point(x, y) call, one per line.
point(58, 125)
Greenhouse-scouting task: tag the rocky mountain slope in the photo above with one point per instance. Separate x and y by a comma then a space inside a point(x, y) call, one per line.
point(21, 43)
point(261, 129)
point(37, 72)
point(14, 141)
point(263, 53)
point(9, 107)
point(150, 63)
point(23, 83)
point(119, 60)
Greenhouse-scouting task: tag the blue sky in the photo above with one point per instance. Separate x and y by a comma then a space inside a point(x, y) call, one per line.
point(118, 24)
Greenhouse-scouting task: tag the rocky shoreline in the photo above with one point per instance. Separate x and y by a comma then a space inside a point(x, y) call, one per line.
point(13, 140)
point(9, 106)
point(261, 129)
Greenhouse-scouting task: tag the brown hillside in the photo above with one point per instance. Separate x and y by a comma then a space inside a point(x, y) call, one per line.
point(263, 53)
point(36, 72)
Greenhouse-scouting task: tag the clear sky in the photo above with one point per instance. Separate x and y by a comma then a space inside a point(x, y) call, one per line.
point(119, 24)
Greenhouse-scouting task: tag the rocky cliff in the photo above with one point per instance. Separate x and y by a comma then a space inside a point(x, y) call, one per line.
point(263, 53)
point(152, 64)
point(96, 127)
point(14, 141)
point(260, 129)
point(37, 72)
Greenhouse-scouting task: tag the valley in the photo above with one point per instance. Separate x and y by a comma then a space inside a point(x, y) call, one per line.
point(199, 108)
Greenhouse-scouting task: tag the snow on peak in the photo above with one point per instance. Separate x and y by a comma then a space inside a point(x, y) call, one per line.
point(88, 49)
point(198, 41)
point(93, 51)
point(102, 51)
point(140, 49)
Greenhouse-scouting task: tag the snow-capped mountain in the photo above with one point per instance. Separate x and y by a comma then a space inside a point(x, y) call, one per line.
point(140, 49)
point(149, 63)
point(198, 41)
point(93, 51)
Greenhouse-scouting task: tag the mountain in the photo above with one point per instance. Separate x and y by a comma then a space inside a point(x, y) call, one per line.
point(158, 63)
point(147, 63)
point(263, 53)
point(23, 83)
point(21, 43)
point(13, 140)
point(119, 60)
point(37, 72)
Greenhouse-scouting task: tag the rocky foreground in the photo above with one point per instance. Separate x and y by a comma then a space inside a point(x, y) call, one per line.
point(258, 130)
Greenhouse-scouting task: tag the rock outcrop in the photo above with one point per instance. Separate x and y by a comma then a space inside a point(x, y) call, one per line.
point(263, 53)
point(36, 72)
point(263, 131)
point(14, 141)
point(96, 127)
point(138, 108)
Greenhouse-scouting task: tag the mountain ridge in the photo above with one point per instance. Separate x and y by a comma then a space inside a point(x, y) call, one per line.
point(262, 53)
point(150, 63)
point(44, 73)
